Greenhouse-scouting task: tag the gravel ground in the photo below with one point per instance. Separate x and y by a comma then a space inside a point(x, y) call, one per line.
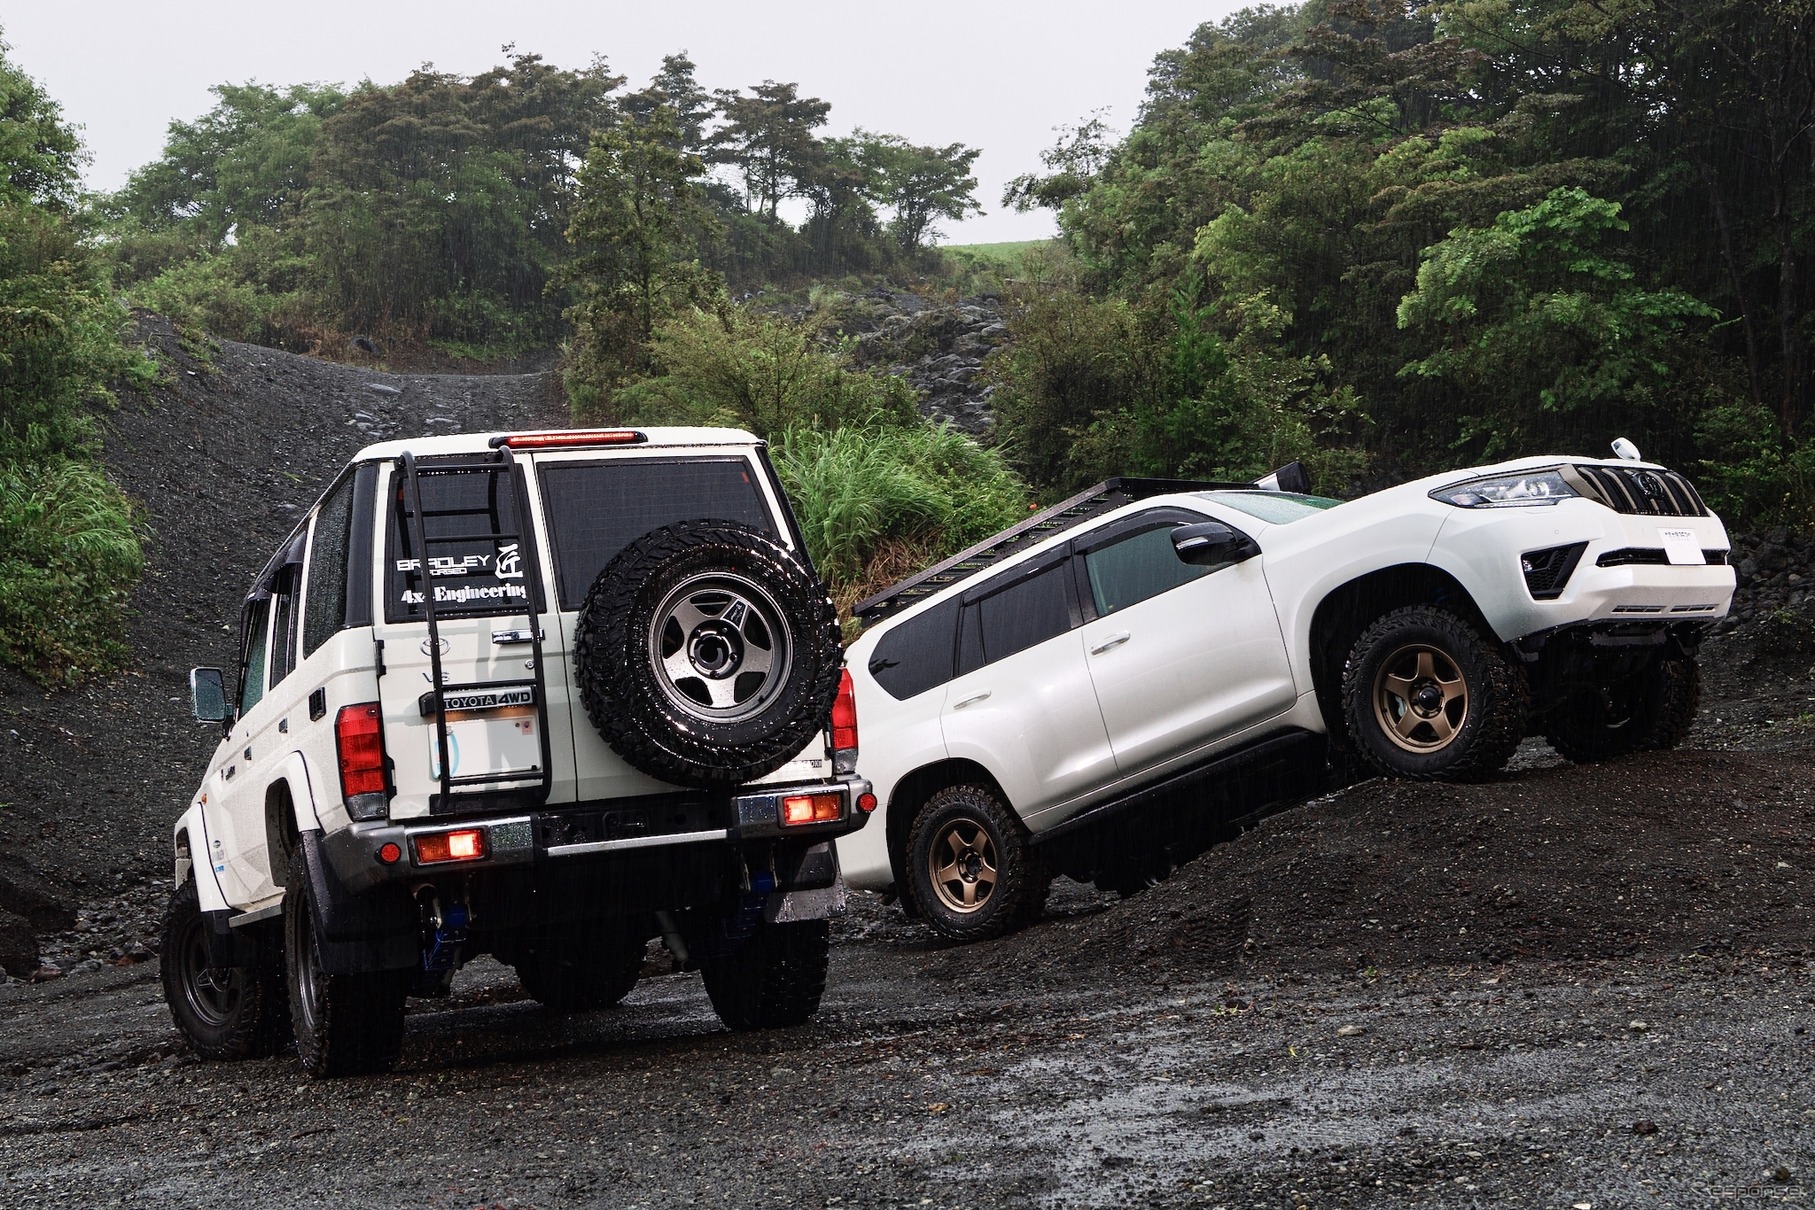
point(1573, 987)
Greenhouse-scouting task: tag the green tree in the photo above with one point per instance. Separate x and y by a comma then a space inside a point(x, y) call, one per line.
point(242, 164)
point(68, 550)
point(676, 90)
point(635, 235)
point(1533, 323)
point(768, 137)
point(920, 184)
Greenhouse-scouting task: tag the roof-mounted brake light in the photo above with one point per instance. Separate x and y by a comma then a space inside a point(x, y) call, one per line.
point(570, 439)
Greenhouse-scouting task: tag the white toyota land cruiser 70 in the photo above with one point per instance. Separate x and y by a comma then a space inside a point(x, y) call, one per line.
point(540, 695)
point(1099, 689)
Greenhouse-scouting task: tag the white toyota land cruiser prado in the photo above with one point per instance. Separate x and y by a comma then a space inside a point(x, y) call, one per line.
point(612, 709)
point(1099, 689)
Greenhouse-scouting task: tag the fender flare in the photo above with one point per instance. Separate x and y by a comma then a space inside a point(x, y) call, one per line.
point(194, 824)
point(292, 775)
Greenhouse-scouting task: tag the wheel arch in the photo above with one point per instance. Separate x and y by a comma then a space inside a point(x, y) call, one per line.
point(913, 790)
point(289, 812)
point(188, 837)
point(1353, 606)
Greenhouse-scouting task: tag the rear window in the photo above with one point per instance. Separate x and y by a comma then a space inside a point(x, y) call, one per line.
point(596, 509)
point(475, 560)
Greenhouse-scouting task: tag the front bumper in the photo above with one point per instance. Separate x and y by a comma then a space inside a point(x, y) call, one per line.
point(563, 834)
point(1606, 583)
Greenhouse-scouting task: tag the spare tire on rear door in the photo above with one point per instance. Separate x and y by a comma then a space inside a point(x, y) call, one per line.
point(707, 654)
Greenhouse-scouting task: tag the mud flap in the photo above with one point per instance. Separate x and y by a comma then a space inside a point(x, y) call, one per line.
point(228, 946)
point(358, 933)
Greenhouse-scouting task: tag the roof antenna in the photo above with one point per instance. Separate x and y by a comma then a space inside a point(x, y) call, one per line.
point(1625, 449)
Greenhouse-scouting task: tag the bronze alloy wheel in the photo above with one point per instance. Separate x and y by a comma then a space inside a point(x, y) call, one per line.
point(963, 866)
point(1420, 698)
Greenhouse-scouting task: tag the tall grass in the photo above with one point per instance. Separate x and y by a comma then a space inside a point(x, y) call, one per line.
point(69, 555)
point(878, 501)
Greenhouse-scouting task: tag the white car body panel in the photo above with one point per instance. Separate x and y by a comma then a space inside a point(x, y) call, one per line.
point(227, 823)
point(1157, 716)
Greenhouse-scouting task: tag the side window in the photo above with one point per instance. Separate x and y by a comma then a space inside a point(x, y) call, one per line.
point(252, 682)
point(1027, 612)
point(917, 655)
point(1137, 567)
point(325, 596)
point(282, 656)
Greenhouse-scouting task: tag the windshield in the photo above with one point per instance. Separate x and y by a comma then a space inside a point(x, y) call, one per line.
point(1275, 508)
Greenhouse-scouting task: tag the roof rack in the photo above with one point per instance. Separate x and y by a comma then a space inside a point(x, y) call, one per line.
point(1091, 502)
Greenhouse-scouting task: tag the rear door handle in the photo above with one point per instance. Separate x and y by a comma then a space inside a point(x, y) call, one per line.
point(972, 700)
point(1111, 643)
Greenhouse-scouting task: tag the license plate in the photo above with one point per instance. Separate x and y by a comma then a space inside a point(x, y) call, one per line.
point(493, 741)
point(1681, 547)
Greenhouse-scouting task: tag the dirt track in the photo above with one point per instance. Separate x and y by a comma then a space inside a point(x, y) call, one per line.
point(1574, 985)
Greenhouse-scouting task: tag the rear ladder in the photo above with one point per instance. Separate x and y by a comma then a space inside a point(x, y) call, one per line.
point(524, 787)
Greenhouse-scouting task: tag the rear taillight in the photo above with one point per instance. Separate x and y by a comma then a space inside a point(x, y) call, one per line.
point(844, 726)
point(468, 844)
point(812, 808)
point(359, 741)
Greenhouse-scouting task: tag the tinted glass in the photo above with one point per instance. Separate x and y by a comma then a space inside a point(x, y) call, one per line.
point(597, 509)
point(253, 683)
point(917, 655)
point(325, 609)
point(283, 627)
point(475, 563)
point(1137, 567)
point(1032, 611)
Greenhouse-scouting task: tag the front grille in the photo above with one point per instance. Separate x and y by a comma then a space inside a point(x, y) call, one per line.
point(1547, 571)
point(1628, 555)
point(1640, 491)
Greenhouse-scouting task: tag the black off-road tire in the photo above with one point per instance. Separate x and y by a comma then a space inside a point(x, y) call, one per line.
point(1652, 710)
point(972, 870)
point(675, 687)
point(226, 1013)
point(1428, 696)
point(344, 1024)
point(570, 977)
point(773, 979)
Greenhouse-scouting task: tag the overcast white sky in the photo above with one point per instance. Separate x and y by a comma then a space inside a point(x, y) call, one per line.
point(995, 74)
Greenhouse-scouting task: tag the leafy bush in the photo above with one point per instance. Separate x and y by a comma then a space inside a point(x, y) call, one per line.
point(69, 557)
point(762, 372)
point(879, 501)
point(68, 553)
point(1092, 389)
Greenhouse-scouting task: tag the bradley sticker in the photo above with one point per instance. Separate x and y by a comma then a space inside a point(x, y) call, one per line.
point(447, 565)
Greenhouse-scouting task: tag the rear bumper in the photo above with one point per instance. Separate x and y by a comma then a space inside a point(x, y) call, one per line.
point(560, 835)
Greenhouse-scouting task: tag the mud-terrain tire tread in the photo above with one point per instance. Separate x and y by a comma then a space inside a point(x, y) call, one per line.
point(259, 1026)
point(356, 1025)
point(565, 979)
point(773, 979)
point(1019, 895)
point(620, 688)
point(1500, 697)
point(1669, 692)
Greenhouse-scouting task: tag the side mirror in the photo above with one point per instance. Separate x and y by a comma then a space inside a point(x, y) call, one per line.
point(207, 697)
point(1210, 543)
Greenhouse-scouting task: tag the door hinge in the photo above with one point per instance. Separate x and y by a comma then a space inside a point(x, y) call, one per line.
point(378, 655)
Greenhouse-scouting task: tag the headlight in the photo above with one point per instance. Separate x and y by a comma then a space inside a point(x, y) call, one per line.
point(1507, 491)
